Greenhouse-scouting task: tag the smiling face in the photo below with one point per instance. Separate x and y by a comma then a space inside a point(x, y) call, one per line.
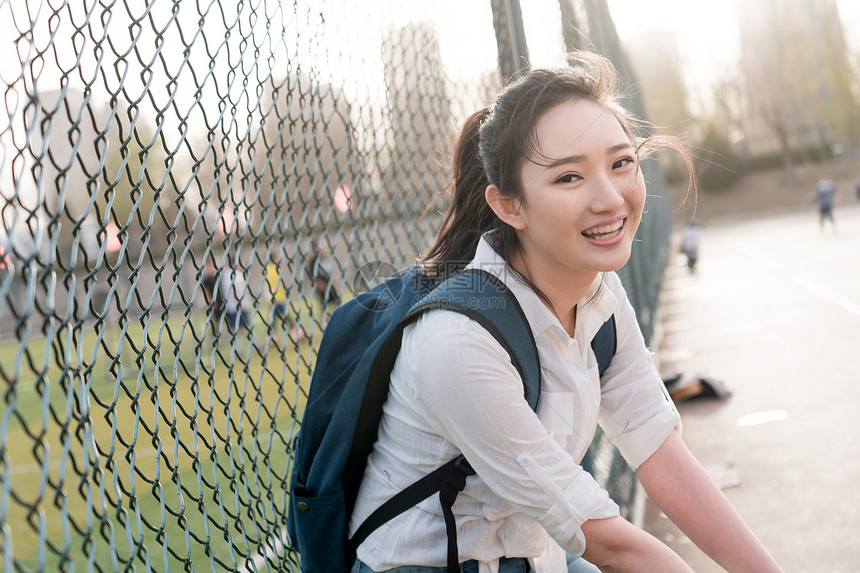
point(583, 195)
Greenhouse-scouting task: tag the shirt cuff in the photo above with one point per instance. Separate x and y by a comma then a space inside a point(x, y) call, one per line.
point(637, 446)
point(581, 500)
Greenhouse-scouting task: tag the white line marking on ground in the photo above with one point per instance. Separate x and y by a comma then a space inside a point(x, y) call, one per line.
point(762, 418)
point(830, 295)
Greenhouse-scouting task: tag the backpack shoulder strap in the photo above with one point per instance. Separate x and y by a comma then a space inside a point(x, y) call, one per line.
point(604, 344)
point(484, 298)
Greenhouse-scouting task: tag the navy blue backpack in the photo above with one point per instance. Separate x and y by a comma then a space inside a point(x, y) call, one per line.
point(349, 386)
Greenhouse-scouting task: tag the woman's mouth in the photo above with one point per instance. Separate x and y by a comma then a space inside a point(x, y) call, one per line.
point(604, 232)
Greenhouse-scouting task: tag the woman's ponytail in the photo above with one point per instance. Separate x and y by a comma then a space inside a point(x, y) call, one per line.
point(468, 215)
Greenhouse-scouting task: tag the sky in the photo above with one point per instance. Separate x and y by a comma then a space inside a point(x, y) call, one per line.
point(706, 32)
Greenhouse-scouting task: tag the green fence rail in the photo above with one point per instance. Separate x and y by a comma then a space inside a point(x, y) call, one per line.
point(289, 148)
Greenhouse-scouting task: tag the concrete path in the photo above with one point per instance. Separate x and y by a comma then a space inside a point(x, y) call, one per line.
point(773, 310)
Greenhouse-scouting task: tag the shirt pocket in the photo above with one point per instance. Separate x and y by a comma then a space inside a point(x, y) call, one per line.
point(570, 419)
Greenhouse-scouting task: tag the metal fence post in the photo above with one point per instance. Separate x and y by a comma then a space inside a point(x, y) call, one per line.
point(510, 38)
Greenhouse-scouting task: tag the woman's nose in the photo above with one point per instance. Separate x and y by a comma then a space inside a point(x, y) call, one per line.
point(609, 193)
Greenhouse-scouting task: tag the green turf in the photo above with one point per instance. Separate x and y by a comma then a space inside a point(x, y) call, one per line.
point(174, 454)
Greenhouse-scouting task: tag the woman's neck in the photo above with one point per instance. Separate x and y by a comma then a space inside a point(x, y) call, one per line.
point(558, 290)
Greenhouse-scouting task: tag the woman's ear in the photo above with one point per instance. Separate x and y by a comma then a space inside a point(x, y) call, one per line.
point(505, 208)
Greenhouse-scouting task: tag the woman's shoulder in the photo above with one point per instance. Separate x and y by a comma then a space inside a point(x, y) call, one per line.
point(447, 333)
point(445, 351)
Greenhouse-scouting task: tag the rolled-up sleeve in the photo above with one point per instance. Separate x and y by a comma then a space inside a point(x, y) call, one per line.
point(636, 412)
point(473, 396)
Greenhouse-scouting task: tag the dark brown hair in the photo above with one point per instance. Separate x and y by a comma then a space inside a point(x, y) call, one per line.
point(495, 142)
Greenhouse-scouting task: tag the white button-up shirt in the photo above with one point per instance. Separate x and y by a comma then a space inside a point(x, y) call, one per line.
point(454, 389)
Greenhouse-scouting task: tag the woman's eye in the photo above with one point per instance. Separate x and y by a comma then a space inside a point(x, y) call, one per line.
point(623, 162)
point(567, 178)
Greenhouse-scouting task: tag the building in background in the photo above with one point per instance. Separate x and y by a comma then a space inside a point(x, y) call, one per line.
point(305, 160)
point(418, 116)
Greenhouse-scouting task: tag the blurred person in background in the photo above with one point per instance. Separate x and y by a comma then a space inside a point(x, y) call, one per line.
point(277, 290)
point(319, 267)
point(825, 196)
point(690, 244)
point(213, 295)
point(232, 286)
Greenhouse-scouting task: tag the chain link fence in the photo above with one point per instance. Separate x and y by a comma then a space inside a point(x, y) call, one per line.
point(187, 190)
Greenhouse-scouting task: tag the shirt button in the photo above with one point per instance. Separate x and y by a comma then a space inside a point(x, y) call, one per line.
point(302, 506)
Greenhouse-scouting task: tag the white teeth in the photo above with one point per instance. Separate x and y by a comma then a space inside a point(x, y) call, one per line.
point(604, 229)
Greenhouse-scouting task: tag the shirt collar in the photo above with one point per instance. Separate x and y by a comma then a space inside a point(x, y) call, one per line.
point(593, 310)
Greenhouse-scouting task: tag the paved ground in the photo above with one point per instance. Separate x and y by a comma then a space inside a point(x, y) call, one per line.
point(774, 311)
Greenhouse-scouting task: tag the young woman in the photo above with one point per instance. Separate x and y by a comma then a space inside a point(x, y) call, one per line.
point(547, 195)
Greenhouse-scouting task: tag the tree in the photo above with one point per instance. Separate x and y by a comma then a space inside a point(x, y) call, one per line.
point(654, 56)
point(718, 166)
point(730, 108)
point(796, 73)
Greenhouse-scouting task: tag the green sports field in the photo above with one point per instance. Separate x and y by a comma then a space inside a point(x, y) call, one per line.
point(148, 443)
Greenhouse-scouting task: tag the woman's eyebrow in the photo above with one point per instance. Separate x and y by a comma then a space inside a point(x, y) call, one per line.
point(619, 147)
point(565, 160)
point(582, 157)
